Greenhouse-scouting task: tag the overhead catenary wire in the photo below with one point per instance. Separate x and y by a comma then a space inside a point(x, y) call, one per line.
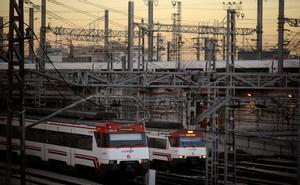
point(58, 72)
point(72, 8)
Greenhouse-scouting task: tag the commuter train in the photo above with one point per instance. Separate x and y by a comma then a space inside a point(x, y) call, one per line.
point(177, 148)
point(101, 146)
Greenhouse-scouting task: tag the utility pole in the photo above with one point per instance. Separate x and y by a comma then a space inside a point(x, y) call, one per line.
point(224, 47)
point(259, 28)
point(159, 43)
point(43, 37)
point(280, 35)
point(106, 42)
point(31, 39)
point(130, 35)
point(16, 79)
point(143, 46)
point(1, 36)
point(139, 50)
point(150, 30)
point(198, 47)
point(298, 152)
point(206, 50)
point(169, 45)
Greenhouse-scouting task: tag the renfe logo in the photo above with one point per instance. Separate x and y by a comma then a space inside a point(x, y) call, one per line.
point(127, 151)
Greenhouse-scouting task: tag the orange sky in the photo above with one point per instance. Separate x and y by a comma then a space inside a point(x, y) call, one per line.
point(193, 12)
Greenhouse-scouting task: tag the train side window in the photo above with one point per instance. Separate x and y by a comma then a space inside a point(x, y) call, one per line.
point(16, 132)
point(37, 135)
point(150, 142)
point(67, 137)
point(54, 138)
point(82, 142)
point(3, 130)
point(157, 143)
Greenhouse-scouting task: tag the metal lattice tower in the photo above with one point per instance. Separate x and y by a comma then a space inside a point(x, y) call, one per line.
point(229, 145)
point(233, 10)
point(16, 79)
point(178, 33)
point(174, 39)
point(280, 35)
point(213, 132)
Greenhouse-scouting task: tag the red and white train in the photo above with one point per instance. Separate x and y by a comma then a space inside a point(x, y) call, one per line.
point(101, 146)
point(177, 147)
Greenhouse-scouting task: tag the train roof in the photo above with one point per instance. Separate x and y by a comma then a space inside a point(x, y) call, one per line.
point(87, 122)
point(175, 132)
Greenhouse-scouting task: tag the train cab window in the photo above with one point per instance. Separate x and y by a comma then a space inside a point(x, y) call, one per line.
point(172, 141)
point(191, 141)
point(98, 139)
point(126, 139)
point(101, 140)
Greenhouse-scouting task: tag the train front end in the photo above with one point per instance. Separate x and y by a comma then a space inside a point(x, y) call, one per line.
point(123, 147)
point(188, 147)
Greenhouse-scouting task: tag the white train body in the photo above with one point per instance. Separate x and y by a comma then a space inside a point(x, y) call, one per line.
point(105, 146)
point(177, 147)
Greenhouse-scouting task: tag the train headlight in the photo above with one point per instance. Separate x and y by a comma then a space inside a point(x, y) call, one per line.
point(203, 156)
point(181, 157)
point(112, 162)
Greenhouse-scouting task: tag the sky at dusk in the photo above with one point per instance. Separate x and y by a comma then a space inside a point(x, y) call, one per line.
point(193, 13)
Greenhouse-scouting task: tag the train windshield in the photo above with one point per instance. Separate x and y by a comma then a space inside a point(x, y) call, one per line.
point(126, 139)
point(191, 141)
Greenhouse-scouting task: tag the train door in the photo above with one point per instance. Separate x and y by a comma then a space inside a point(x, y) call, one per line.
point(82, 148)
point(57, 145)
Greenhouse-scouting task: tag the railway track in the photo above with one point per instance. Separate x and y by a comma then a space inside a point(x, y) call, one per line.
point(250, 171)
point(165, 178)
point(42, 177)
point(264, 171)
point(48, 176)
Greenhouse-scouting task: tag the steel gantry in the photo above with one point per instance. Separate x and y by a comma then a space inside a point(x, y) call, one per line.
point(87, 34)
point(144, 79)
point(97, 34)
point(201, 29)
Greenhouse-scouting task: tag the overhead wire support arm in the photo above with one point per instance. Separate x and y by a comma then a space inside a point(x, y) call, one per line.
point(293, 22)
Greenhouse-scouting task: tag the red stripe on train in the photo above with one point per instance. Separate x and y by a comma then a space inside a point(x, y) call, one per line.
point(57, 152)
